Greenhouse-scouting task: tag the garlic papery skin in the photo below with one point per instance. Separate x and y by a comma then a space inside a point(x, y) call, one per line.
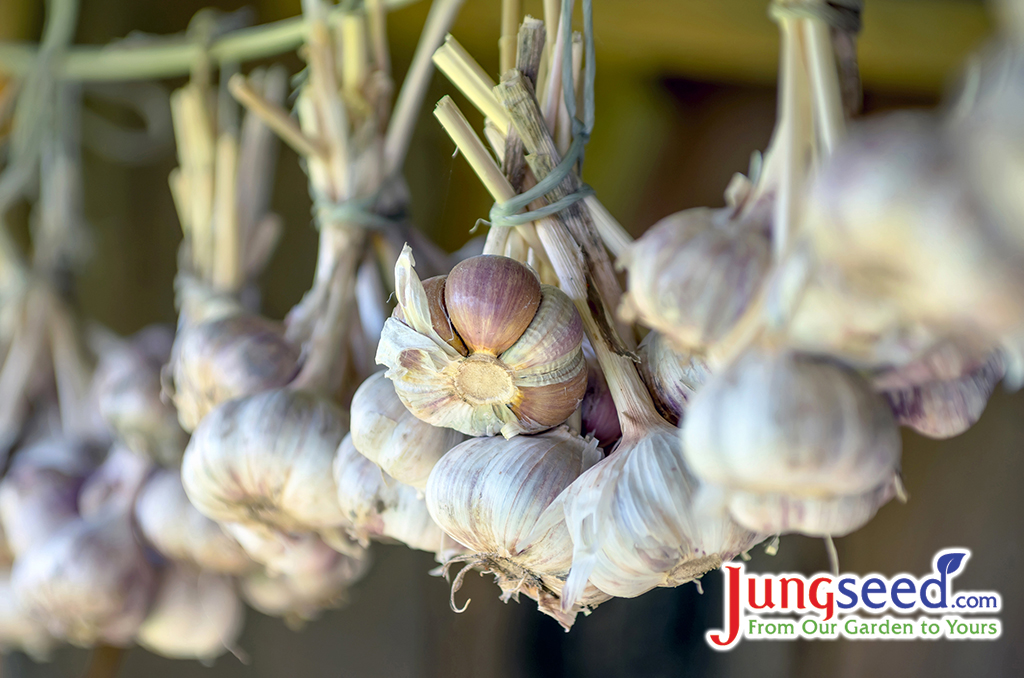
point(896, 214)
point(127, 388)
point(265, 460)
point(91, 582)
point(392, 437)
point(782, 423)
point(195, 615)
point(379, 507)
point(672, 378)
point(524, 372)
point(168, 521)
point(301, 598)
point(488, 494)
point(115, 484)
point(694, 273)
point(39, 493)
point(225, 358)
point(18, 630)
point(944, 409)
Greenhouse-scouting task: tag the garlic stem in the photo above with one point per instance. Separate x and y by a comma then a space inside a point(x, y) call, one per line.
point(510, 12)
point(274, 117)
point(377, 16)
point(355, 65)
point(469, 77)
point(790, 148)
point(552, 98)
point(828, 100)
point(227, 262)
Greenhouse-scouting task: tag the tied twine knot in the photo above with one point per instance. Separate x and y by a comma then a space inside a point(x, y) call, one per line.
point(353, 212)
point(842, 15)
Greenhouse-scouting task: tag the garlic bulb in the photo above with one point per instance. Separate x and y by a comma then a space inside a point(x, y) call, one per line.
point(288, 553)
point(301, 598)
point(39, 493)
point(18, 630)
point(379, 506)
point(488, 494)
point(794, 427)
point(392, 437)
point(225, 358)
point(127, 388)
point(174, 527)
point(672, 378)
point(693, 274)
point(943, 409)
point(195, 615)
point(896, 215)
point(91, 582)
point(266, 460)
point(115, 484)
point(523, 369)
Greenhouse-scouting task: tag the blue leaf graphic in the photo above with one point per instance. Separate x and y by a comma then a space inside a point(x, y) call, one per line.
point(950, 563)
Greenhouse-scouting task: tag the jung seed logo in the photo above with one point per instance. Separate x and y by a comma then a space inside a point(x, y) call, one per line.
point(852, 606)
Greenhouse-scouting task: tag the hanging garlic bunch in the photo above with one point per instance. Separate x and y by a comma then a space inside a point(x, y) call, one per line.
point(195, 615)
point(39, 493)
point(488, 494)
point(672, 378)
point(127, 388)
point(796, 444)
point(379, 507)
point(522, 369)
point(169, 522)
point(693, 274)
point(91, 582)
point(392, 437)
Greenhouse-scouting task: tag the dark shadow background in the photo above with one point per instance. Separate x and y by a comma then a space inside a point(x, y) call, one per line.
point(666, 139)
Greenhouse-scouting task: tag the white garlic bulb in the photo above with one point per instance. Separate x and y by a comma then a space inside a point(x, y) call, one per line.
point(195, 615)
point(489, 493)
point(225, 358)
point(39, 493)
point(792, 426)
point(633, 522)
point(392, 437)
point(692, 275)
point(127, 388)
point(115, 484)
point(18, 630)
point(290, 553)
point(943, 409)
point(522, 368)
point(169, 522)
point(377, 506)
point(266, 460)
point(91, 582)
point(672, 378)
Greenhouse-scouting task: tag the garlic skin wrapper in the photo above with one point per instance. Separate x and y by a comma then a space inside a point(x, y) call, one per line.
point(488, 494)
point(693, 274)
point(39, 493)
point(633, 523)
point(127, 389)
point(266, 460)
point(794, 427)
point(392, 437)
point(225, 358)
point(168, 521)
point(89, 583)
point(523, 369)
point(195, 615)
point(377, 506)
point(18, 630)
point(895, 213)
point(672, 378)
point(943, 409)
point(115, 484)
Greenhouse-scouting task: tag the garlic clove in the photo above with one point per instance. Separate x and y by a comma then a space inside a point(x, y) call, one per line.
point(266, 460)
point(672, 378)
point(391, 436)
point(195, 615)
point(943, 409)
point(434, 288)
point(790, 424)
point(491, 301)
point(599, 416)
point(228, 358)
point(168, 521)
point(89, 583)
point(18, 630)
